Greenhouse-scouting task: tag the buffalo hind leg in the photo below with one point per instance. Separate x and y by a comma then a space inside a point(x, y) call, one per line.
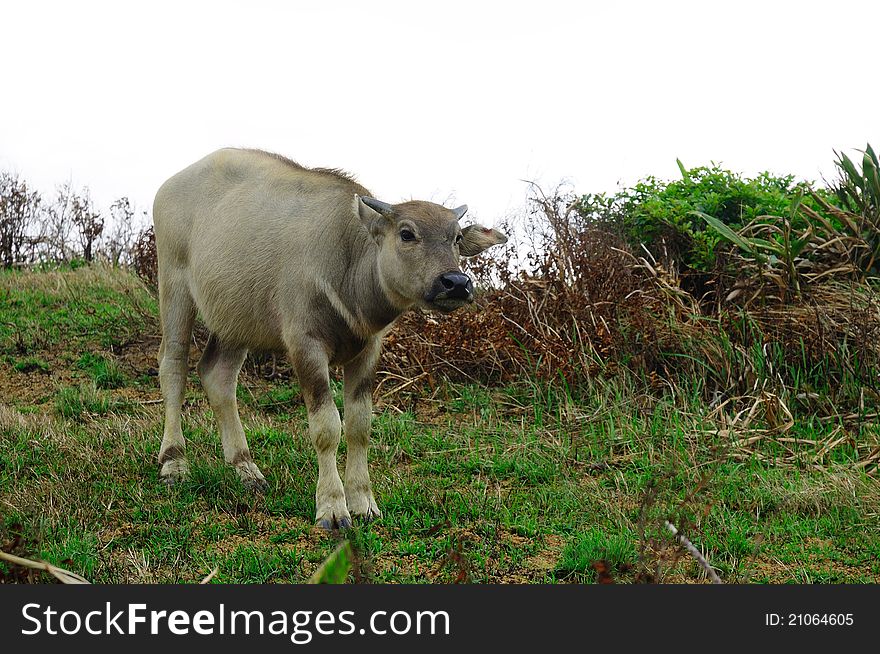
point(218, 369)
point(177, 313)
point(359, 375)
point(325, 428)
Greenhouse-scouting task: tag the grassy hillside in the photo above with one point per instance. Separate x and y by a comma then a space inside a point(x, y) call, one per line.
point(524, 482)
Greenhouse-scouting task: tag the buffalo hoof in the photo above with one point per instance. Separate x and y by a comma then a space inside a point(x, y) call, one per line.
point(370, 515)
point(174, 471)
point(331, 511)
point(334, 524)
point(362, 505)
point(251, 477)
point(256, 485)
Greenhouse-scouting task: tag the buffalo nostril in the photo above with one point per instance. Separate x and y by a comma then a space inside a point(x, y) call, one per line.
point(456, 285)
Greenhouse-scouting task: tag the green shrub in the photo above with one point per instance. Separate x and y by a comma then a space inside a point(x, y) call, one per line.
point(659, 214)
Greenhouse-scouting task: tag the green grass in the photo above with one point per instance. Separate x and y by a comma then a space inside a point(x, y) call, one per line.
point(281, 399)
point(78, 402)
point(31, 364)
point(583, 552)
point(526, 483)
point(101, 307)
point(105, 373)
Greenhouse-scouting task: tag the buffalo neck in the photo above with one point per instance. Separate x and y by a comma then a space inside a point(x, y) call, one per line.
point(370, 298)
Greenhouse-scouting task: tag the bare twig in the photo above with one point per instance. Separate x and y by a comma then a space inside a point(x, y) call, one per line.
point(64, 576)
point(211, 575)
point(689, 546)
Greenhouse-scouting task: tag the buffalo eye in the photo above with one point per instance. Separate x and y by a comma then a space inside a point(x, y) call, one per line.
point(407, 235)
point(458, 239)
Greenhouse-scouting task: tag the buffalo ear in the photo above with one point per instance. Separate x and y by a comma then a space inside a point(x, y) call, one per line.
point(375, 215)
point(476, 238)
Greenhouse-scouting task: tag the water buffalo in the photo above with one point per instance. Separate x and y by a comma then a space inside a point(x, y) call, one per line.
point(275, 256)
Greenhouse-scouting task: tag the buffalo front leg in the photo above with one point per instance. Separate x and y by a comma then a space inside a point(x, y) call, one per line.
point(359, 376)
point(218, 369)
point(311, 364)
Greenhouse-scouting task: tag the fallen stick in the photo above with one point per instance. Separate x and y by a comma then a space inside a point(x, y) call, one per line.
point(689, 546)
point(64, 576)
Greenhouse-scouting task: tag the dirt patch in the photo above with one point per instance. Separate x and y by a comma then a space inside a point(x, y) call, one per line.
point(548, 558)
point(140, 357)
point(35, 387)
point(813, 564)
point(406, 565)
point(38, 387)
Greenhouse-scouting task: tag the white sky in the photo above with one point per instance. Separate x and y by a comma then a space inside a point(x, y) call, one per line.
point(454, 104)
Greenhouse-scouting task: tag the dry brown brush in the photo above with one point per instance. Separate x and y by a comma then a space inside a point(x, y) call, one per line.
point(581, 304)
point(569, 300)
